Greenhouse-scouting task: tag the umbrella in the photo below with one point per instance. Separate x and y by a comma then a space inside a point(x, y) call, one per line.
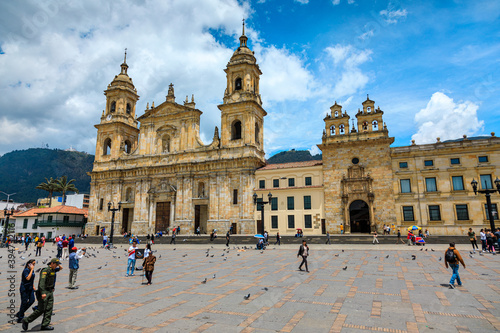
point(258, 236)
point(414, 227)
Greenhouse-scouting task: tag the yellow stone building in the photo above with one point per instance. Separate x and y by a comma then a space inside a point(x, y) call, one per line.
point(164, 175)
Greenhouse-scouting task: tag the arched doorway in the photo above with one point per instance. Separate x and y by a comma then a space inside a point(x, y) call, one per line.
point(359, 215)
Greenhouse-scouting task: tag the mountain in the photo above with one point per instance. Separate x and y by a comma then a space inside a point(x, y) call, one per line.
point(293, 156)
point(22, 170)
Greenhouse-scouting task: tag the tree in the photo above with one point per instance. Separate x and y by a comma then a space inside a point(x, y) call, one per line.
point(50, 186)
point(63, 186)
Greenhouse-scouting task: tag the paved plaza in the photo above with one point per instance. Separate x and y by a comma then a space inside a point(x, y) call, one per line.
point(382, 289)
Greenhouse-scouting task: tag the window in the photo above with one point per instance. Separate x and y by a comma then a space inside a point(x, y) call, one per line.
point(276, 183)
point(462, 212)
point(106, 149)
point(259, 206)
point(454, 161)
point(374, 125)
point(101, 203)
point(129, 108)
point(35, 225)
point(405, 186)
point(274, 222)
point(458, 183)
point(408, 213)
point(49, 218)
point(237, 84)
point(113, 107)
point(430, 184)
point(291, 182)
point(434, 213)
point(127, 146)
point(66, 218)
point(257, 133)
point(428, 163)
point(307, 202)
point(262, 183)
point(274, 203)
point(290, 203)
point(25, 224)
point(308, 221)
point(483, 159)
point(403, 165)
point(291, 222)
point(236, 130)
point(486, 182)
point(309, 181)
point(235, 197)
point(494, 210)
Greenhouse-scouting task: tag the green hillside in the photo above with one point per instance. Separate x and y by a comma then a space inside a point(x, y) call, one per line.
point(293, 156)
point(22, 170)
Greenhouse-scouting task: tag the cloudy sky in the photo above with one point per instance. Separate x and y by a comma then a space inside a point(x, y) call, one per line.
point(432, 66)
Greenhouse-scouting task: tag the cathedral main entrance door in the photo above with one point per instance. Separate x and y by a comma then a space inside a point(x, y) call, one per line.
point(162, 216)
point(359, 214)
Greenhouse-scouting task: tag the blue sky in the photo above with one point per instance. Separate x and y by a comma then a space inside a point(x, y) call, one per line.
point(433, 67)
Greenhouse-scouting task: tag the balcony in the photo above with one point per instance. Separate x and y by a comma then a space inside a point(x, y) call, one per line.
point(59, 223)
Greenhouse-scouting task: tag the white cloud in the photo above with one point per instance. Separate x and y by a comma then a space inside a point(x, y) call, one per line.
point(337, 2)
point(347, 59)
point(304, 2)
point(314, 150)
point(444, 118)
point(393, 16)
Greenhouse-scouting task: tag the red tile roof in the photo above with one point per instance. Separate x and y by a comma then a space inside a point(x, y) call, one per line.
point(54, 210)
point(291, 165)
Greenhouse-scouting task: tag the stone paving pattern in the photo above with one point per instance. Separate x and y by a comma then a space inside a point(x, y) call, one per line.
point(374, 293)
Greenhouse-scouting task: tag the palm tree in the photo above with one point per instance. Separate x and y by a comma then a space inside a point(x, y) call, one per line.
point(50, 186)
point(63, 185)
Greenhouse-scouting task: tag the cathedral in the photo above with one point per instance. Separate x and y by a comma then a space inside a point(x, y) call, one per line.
point(163, 176)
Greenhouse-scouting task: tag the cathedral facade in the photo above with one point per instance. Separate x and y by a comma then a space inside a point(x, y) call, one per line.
point(162, 174)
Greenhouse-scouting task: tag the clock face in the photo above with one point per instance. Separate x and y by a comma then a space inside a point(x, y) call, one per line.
point(109, 117)
point(235, 96)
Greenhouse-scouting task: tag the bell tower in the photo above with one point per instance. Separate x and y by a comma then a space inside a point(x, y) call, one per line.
point(242, 115)
point(117, 133)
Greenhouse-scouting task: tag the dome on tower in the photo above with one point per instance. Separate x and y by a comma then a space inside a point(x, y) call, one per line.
point(122, 79)
point(243, 54)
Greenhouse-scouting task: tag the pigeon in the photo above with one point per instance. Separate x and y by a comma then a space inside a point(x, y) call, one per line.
point(421, 249)
point(413, 257)
point(345, 268)
point(470, 255)
point(38, 270)
point(342, 250)
point(207, 254)
point(261, 252)
point(425, 250)
point(174, 249)
point(204, 281)
point(375, 257)
point(440, 258)
point(106, 265)
point(480, 254)
point(214, 276)
point(159, 256)
point(387, 256)
point(225, 259)
point(19, 252)
point(222, 255)
point(29, 255)
point(432, 250)
point(23, 258)
point(185, 255)
point(265, 288)
point(99, 267)
point(246, 296)
point(470, 252)
point(337, 255)
point(237, 255)
point(212, 256)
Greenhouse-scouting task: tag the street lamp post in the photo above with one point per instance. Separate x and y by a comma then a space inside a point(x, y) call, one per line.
point(113, 210)
point(260, 205)
point(487, 193)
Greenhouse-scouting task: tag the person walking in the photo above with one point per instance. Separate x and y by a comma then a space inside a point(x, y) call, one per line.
point(39, 246)
point(74, 258)
point(26, 290)
point(328, 238)
point(131, 258)
point(304, 252)
point(172, 240)
point(489, 241)
point(104, 240)
point(45, 296)
point(472, 239)
point(278, 238)
point(409, 237)
point(228, 236)
point(198, 231)
point(149, 266)
point(27, 242)
point(65, 243)
point(482, 236)
point(375, 239)
point(399, 238)
point(453, 258)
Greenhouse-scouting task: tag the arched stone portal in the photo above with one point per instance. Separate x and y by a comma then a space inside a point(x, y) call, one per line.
point(359, 215)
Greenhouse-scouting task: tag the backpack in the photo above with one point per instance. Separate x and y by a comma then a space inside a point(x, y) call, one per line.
point(450, 256)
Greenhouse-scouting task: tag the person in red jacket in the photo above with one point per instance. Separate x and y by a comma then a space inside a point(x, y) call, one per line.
point(65, 253)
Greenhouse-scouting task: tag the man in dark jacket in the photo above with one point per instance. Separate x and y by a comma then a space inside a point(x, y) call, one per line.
point(453, 258)
point(45, 296)
point(304, 252)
